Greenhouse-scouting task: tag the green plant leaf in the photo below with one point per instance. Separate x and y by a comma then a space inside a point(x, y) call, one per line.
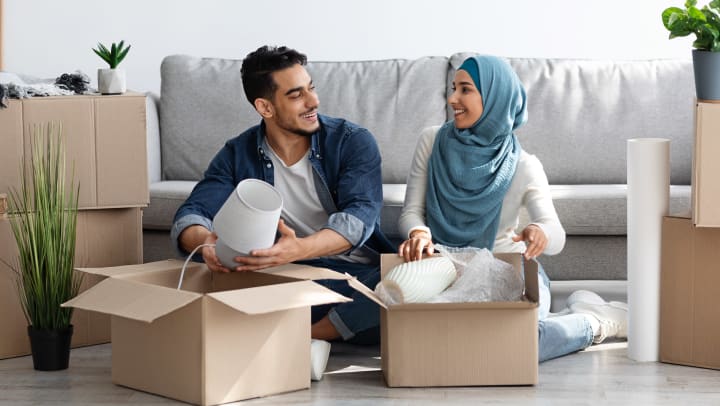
point(43, 220)
point(114, 55)
point(704, 23)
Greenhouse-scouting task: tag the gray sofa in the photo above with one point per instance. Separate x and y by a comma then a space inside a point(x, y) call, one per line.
point(581, 112)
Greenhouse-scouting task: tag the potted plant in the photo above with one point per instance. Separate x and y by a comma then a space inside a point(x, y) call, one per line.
point(43, 218)
point(112, 80)
point(705, 24)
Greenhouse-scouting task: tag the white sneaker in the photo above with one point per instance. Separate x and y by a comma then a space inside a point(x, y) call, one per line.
point(319, 354)
point(611, 315)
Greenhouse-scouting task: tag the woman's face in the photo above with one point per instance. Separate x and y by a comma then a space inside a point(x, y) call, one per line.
point(465, 100)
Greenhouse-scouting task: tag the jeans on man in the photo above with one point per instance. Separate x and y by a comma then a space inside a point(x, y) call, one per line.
point(358, 321)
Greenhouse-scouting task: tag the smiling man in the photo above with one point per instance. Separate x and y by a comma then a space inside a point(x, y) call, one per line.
point(328, 173)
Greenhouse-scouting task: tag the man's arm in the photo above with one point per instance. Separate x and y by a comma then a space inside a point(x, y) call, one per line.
point(290, 248)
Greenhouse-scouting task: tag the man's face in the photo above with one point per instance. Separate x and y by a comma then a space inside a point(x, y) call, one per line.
point(295, 101)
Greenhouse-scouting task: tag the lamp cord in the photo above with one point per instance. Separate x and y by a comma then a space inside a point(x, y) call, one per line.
point(182, 273)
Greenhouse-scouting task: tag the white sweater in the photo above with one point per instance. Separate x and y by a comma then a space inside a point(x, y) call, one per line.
point(529, 189)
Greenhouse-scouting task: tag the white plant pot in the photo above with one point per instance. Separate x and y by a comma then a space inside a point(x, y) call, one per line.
point(111, 81)
point(247, 220)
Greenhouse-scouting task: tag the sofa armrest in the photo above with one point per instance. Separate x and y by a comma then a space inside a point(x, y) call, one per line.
point(153, 138)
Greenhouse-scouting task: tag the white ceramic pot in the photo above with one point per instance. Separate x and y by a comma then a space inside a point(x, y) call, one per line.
point(111, 81)
point(417, 281)
point(247, 220)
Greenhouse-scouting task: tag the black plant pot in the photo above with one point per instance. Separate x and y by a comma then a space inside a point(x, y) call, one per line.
point(50, 348)
point(706, 66)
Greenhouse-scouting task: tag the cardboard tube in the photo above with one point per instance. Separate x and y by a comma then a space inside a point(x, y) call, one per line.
point(648, 182)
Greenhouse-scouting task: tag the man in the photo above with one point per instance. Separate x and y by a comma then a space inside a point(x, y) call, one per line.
point(328, 173)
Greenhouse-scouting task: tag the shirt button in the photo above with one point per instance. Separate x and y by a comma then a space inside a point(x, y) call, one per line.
point(269, 166)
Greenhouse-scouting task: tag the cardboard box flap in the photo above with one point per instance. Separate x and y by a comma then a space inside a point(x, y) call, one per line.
point(119, 271)
point(307, 272)
point(132, 300)
point(283, 296)
point(360, 287)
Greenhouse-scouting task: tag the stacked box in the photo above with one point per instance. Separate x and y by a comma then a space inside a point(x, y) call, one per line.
point(106, 148)
point(689, 320)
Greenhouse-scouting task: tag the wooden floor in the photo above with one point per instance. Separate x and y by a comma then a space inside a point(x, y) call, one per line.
point(601, 375)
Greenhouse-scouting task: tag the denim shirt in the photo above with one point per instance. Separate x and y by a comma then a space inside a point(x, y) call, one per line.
point(347, 176)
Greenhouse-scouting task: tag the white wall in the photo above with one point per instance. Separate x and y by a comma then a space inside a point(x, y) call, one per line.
point(48, 37)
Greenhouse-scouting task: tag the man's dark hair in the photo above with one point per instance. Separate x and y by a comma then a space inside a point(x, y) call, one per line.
point(258, 66)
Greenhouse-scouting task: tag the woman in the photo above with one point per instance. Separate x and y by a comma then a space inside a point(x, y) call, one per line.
point(468, 181)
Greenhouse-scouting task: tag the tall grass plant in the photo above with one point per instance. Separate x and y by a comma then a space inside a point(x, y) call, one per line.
point(43, 217)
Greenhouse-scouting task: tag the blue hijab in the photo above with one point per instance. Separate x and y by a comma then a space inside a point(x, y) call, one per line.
point(470, 170)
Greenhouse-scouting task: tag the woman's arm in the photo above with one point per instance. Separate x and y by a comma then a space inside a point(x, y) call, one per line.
point(412, 219)
point(538, 201)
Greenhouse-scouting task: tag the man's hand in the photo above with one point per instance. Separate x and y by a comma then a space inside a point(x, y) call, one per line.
point(196, 235)
point(412, 249)
point(209, 256)
point(535, 240)
point(287, 249)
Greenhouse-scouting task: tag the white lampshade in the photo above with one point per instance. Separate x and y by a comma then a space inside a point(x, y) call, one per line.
point(247, 220)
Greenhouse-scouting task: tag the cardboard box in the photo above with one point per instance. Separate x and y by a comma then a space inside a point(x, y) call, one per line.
point(689, 280)
point(221, 338)
point(461, 344)
point(104, 136)
point(104, 238)
point(706, 166)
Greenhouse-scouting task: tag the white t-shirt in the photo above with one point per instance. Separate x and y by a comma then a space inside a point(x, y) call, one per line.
point(302, 210)
point(529, 189)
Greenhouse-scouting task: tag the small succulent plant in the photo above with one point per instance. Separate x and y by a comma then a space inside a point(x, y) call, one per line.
point(114, 55)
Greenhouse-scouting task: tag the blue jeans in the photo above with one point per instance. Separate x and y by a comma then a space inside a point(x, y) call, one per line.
point(559, 335)
point(358, 321)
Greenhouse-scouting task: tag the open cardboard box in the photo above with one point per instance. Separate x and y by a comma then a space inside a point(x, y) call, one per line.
point(460, 344)
point(221, 338)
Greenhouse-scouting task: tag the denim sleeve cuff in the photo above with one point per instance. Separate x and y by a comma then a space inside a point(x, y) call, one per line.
point(181, 224)
point(349, 226)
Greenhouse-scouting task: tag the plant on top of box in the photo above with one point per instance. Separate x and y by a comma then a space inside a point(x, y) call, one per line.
point(705, 24)
point(112, 80)
point(43, 218)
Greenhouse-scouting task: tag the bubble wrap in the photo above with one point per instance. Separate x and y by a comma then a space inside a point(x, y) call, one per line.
point(481, 277)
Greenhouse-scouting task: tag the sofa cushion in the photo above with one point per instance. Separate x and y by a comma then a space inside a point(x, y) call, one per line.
point(394, 99)
point(581, 112)
point(601, 209)
point(203, 105)
point(583, 209)
point(165, 198)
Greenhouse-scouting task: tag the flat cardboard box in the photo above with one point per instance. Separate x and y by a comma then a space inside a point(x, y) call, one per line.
point(689, 280)
point(706, 166)
point(105, 138)
point(461, 344)
point(221, 338)
point(104, 238)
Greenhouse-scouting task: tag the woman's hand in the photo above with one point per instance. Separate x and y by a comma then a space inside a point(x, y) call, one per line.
point(412, 249)
point(535, 240)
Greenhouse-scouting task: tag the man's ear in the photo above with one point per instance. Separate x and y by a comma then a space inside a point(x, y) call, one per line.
point(264, 107)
